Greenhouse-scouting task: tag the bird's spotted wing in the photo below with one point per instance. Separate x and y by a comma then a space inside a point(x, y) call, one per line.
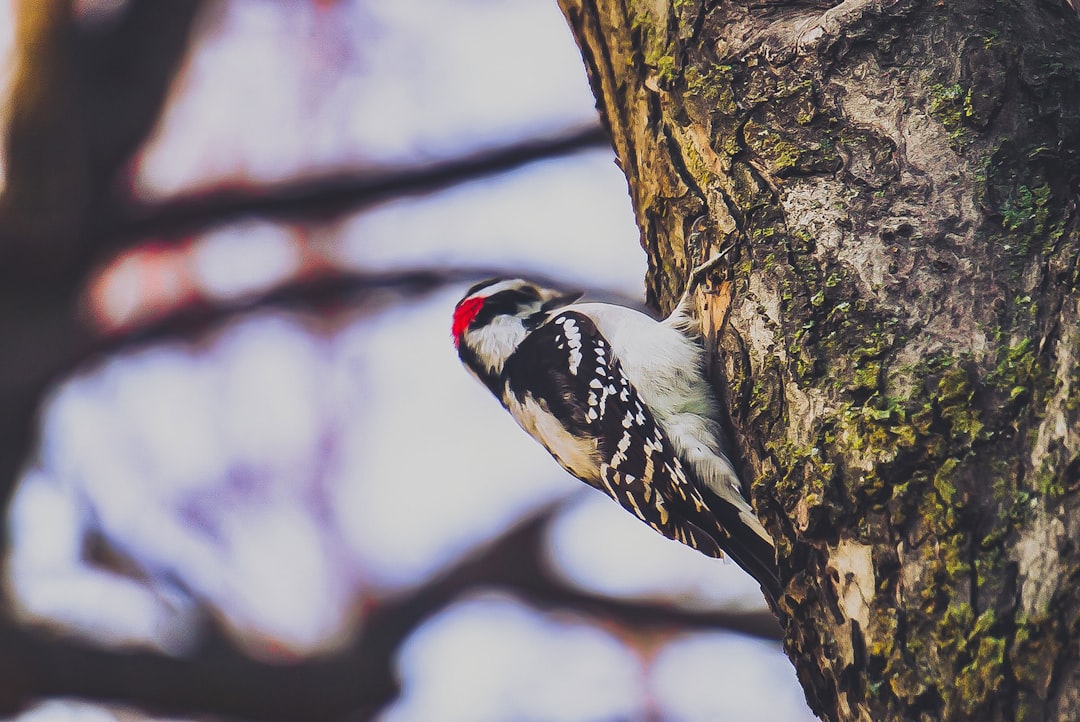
point(565, 388)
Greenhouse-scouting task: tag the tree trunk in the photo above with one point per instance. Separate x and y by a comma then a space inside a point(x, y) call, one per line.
point(82, 100)
point(898, 334)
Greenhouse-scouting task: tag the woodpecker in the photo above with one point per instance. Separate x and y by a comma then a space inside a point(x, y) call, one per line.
point(621, 401)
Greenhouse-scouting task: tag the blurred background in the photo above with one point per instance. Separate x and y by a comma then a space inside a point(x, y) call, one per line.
point(246, 477)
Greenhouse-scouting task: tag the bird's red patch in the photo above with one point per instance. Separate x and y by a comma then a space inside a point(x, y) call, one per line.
point(464, 314)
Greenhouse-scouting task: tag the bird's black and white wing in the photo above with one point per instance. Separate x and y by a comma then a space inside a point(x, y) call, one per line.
point(564, 387)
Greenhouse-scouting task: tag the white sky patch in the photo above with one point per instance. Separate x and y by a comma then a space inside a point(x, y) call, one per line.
point(45, 575)
point(162, 400)
point(477, 70)
point(273, 405)
point(570, 219)
point(67, 710)
point(237, 110)
point(270, 90)
point(725, 676)
point(46, 521)
point(491, 659)
point(205, 469)
point(245, 258)
point(597, 546)
point(120, 294)
point(285, 588)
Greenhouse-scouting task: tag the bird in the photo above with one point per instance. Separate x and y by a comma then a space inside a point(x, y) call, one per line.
point(621, 401)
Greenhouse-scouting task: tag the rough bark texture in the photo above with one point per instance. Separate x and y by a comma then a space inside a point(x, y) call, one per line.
point(899, 329)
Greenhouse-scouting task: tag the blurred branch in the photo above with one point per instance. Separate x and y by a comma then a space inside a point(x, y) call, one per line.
point(325, 291)
point(218, 680)
point(127, 65)
point(354, 683)
point(318, 197)
point(517, 563)
point(45, 190)
point(81, 99)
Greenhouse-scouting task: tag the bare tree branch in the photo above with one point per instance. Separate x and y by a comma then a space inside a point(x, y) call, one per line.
point(320, 197)
point(84, 99)
point(356, 682)
point(328, 289)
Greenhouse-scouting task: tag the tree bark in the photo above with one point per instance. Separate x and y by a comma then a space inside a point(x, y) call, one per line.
point(898, 335)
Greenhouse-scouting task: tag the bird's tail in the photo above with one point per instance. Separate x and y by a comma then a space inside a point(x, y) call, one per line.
point(742, 538)
point(739, 534)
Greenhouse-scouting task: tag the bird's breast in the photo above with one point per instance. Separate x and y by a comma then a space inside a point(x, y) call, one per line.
point(579, 456)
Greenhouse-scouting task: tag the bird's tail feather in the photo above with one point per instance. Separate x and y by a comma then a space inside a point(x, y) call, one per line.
point(741, 541)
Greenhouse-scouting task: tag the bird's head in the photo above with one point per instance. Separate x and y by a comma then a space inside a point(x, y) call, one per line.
point(495, 316)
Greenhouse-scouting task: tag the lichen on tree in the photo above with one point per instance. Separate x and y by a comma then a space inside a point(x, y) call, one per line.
point(897, 337)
